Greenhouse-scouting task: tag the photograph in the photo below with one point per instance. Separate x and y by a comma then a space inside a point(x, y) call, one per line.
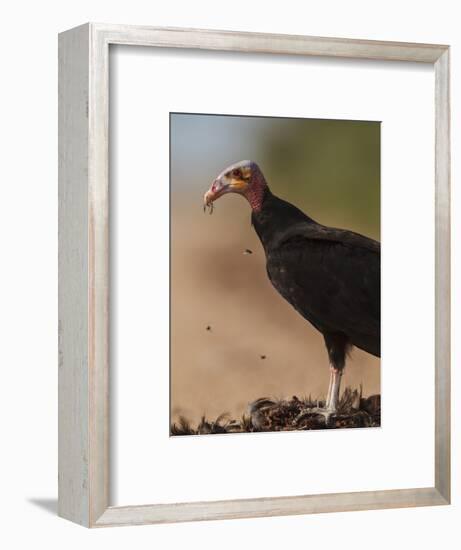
point(275, 312)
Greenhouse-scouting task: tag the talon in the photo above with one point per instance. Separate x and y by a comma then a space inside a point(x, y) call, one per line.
point(316, 411)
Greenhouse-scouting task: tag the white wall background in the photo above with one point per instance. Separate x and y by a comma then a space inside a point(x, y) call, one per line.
point(28, 294)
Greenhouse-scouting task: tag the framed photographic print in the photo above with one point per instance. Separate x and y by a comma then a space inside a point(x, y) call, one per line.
point(278, 356)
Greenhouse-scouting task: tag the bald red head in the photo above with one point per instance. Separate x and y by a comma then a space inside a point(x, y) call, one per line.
point(244, 178)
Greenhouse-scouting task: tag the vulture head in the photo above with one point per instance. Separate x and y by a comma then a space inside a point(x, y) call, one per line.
point(244, 178)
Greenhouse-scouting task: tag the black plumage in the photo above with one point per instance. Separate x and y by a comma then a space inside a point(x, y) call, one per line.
point(330, 276)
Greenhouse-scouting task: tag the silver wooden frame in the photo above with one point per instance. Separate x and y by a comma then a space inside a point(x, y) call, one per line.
point(84, 273)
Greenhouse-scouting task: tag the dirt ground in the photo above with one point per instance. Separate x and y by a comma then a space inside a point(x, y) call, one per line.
point(233, 338)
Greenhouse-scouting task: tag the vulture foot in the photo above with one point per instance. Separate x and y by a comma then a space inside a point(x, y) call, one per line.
point(326, 413)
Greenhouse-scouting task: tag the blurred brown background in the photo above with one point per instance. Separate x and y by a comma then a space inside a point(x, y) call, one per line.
point(328, 168)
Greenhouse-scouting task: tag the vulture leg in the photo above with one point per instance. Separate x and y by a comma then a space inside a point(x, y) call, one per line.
point(337, 346)
point(333, 390)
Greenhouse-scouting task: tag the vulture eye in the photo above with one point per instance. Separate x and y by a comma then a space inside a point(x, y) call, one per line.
point(237, 173)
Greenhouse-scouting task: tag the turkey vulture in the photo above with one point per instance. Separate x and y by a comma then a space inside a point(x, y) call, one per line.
point(330, 276)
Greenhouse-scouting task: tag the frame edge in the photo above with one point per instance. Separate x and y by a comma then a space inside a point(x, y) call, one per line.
point(266, 507)
point(254, 42)
point(73, 382)
point(442, 276)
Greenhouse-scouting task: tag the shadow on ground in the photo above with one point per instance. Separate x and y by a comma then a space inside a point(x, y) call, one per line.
point(50, 505)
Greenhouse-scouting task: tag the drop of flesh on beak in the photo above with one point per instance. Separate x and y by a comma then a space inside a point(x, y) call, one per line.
point(207, 203)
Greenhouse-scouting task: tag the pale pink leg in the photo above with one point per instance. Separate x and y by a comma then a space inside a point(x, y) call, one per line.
point(330, 386)
point(333, 389)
